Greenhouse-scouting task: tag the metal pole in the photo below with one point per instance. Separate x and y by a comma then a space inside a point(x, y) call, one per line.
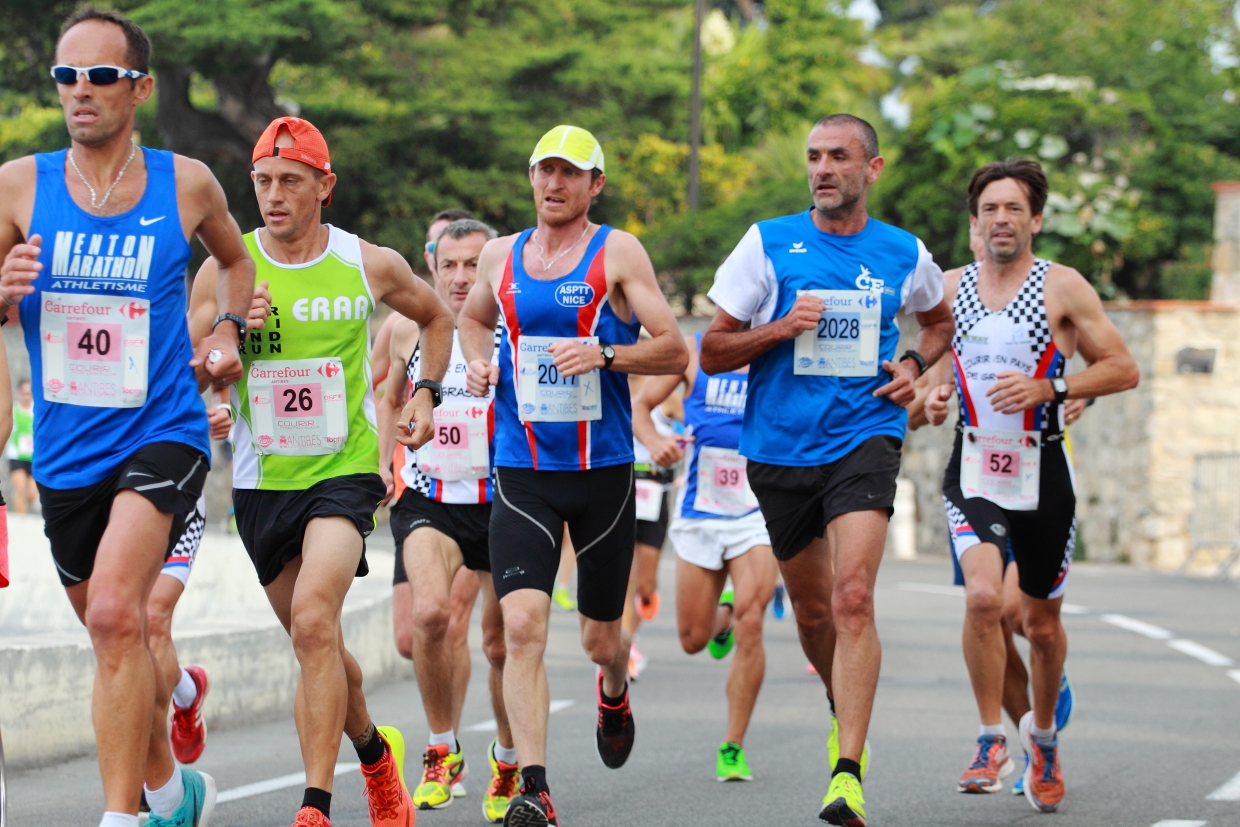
point(695, 105)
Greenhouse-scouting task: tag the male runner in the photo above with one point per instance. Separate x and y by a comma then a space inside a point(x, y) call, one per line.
point(304, 472)
point(717, 532)
point(1008, 486)
point(20, 450)
point(824, 417)
point(440, 526)
point(571, 295)
point(100, 279)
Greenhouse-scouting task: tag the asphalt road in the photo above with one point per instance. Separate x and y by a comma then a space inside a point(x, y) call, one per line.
point(1155, 660)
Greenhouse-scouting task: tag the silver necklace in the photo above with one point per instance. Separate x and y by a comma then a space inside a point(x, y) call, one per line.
point(132, 152)
point(547, 264)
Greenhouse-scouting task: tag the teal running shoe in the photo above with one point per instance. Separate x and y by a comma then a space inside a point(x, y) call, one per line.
point(196, 805)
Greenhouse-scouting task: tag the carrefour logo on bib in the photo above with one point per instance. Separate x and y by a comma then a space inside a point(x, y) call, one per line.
point(574, 294)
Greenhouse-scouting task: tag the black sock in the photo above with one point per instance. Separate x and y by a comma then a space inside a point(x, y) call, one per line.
point(370, 752)
point(320, 800)
point(850, 767)
point(607, 701)
point(831, 703)
point(534, 779)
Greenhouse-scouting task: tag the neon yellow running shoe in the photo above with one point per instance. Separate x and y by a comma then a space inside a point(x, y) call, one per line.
point(563, 598)
point(833, 749)
point(440, 770)
point(844, 805)
point(730, 763)
point(505, 778)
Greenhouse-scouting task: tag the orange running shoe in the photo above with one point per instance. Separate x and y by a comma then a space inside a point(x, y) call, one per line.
point(386, 795)
point(990, 765)
point(1043, 779)
point(189, 731)
point(647, 607)
point(311, 817)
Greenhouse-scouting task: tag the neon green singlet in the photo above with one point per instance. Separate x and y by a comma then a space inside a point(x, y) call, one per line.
point(21, 443)
point(306, 409)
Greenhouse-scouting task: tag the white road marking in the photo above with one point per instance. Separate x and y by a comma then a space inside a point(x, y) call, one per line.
point(1073, 609)
point(1228, 792)
point(1202, 653)
point(1179, 822)
point(931, 588)
point(1234, 674)
point(491, 725)
point(1138, 626)
point(260, 787)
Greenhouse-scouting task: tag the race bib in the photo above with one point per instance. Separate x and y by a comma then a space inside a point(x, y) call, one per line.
point(544, 395)
point(460, 448)
point(95, 349)
point(722, 485)
point(649, 496)
point(1001, 466)
point(845, 341)
point(25, 445)
point(298, 406)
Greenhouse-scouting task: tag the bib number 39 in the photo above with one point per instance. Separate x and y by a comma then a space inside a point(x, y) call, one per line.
point(95, 349)
point(297, 407)
point(722, 484)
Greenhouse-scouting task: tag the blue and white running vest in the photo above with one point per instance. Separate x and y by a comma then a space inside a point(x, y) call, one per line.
point(106, 331)
point(715, 410)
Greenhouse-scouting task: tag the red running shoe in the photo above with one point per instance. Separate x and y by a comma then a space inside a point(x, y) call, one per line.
point(311, 817)
point(615, 731)
point(189, 731)
point(647, 607)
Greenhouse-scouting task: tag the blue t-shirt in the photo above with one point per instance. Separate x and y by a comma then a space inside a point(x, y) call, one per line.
point(806, 420)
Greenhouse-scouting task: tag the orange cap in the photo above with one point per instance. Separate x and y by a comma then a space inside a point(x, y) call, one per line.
point(308, 147)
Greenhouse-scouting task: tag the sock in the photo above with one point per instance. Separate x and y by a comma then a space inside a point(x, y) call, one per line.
point(535, 778)
point(850, 767)
point(370, 751)
point(608, 701)
point(831, 703)
point(320, 800)
point(164, 801)
point(118, 820)
point(448, 739)
point(1043, 735)
point(507, 755)
point(185, 692)
point(993, 729)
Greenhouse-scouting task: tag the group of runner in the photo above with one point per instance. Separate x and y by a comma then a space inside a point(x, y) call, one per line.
point(506, 422)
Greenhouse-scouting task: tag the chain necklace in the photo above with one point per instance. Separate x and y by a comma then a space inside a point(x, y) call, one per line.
point(547, 264)
point(132, 151)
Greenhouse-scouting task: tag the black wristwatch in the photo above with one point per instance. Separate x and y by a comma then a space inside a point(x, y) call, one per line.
point(434, 387)
point(922, 367)
point(235, 319)
point(609, 356)
point(1060, 386)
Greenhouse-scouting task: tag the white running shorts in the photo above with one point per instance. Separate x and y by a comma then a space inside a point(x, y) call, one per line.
point(708, 542)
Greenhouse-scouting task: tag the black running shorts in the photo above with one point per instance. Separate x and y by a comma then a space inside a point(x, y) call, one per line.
point(654, 532)
point(466, 524)
point(798, 502)
point(169, 474)
point(1041, 542)
point(527, 524)
point(272, 524)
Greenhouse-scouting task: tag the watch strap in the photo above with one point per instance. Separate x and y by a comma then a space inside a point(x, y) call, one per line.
point(434, 387)
point(609, 356)
point(922, 367)
point(235, 319)
point(1060, 385)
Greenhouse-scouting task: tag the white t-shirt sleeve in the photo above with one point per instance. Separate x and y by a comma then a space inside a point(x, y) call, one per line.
point(744, 285)
point(923, 289)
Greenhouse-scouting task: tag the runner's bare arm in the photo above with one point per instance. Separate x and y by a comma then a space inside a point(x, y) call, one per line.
point(665, 451)
point(379, 351)
point(20, 254)
point(403, 338)
point(203, 310)
point(726, 347)
point(476, 322)
point(934, 337)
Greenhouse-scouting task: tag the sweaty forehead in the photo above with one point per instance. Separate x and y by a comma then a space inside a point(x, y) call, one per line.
point(1004, 191)
point(92, 42)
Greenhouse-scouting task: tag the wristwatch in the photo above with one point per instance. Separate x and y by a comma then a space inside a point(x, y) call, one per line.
point(434, 387)
point(916, 357)
point(235, 319)
point(609, 356)
point(1060, 385)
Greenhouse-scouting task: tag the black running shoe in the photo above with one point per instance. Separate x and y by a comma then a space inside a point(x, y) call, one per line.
point(615, 731)
point(531, 809)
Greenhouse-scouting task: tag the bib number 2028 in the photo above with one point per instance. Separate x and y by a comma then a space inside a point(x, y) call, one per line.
point(845, 340)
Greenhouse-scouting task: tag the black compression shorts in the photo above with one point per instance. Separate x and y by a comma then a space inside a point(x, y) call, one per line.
point(466, 524)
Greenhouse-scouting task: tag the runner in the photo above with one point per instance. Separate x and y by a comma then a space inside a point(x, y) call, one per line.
point(572, 295)
point(96, 241)
point(824, 416)
point(20, 450)
point(1008, 488)
point(304, 474)
point(717, 532)
point(440, 526)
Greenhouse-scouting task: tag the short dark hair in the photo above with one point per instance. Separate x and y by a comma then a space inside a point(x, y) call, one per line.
point(463, 228)
point(869, 138)
point(1027, 172)
point(138, 53)
point(450, 215)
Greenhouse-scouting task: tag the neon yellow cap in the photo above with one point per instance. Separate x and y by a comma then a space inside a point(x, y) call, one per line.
point(573, 144)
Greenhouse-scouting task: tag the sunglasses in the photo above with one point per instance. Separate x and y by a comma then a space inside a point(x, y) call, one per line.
point(98, 75)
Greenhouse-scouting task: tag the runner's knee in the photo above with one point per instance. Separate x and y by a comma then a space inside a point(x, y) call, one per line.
point(113, 622)
point(853, 603)
point(1044, 631)
point(747, 624)
point(314, 631)
point(432, 616)
point(984, 599)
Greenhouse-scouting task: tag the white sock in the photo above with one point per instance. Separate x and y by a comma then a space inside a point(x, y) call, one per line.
point(118, 820)
point(993, 729)
point(164, 801)
point(185, 692)
point(1043, 735)
point(506, 754)
point(448, 738)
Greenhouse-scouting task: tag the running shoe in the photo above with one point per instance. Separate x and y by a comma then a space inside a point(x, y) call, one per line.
point(730, 764)
point(531, 809)
point(990, 765)
point(1018, 786)
point(563, 598)
point(189, 731)
point(723, 642)
point(311, 817)
point(196, 804)
point(777, 602)
point(637, 663)
point(1064, 703)
point(458, 786)
point(441, 768)
point(1043, 779)
point(503, 789)
point(647, 607)
point(833, 749)
point(616, 730)
point(844, 805)
point(387, 797)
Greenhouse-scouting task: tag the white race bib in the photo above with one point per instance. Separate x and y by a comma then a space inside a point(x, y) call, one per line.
point(543, 395)
point(845, 342)
point(722, 484)
point(459, 450)
point(95, 349)
point(298, 406)
point(649, 496)
point(1001, 466)
point(25, 444)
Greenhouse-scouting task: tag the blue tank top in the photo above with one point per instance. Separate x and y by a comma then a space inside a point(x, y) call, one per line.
point(715, 410)
point(574, 305)
point(112, 290)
